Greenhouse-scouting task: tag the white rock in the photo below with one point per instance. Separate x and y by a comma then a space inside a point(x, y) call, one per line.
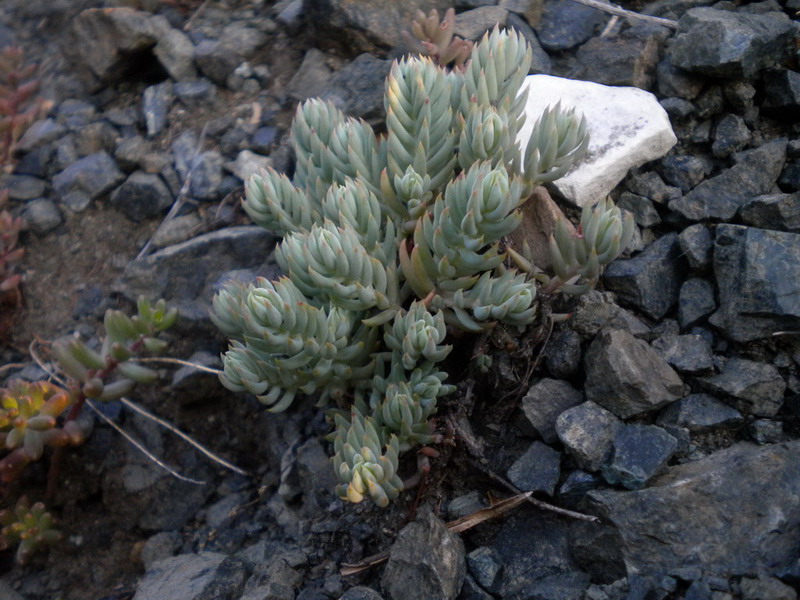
point(627, 128)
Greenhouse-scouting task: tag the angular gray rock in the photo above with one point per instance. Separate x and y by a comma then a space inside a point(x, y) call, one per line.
point(697, 246)
point(426, 561)
point(696, 301)
point(640, 452)
point(755, 388)
point(651, 281)
point(724, 43)
point(472, 24)
point(202, 576)
point(537, 470)
point(686, 353)
point(142, 196)
point(587, 432)
point(367, 25)
point(685, 518)
point(626, 376)
point(597, 310)
point(565, 25)
point(699, 413)
point(544, 401)
point(720, 197)
point(357, 88)
point(92, 176)
point(758, 282)
point(773, 211)
point(274, 578)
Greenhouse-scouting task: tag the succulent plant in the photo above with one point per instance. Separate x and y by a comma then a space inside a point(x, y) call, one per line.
point(10, 254)
point(437, 40)
point(390, 241)
point(31, 527)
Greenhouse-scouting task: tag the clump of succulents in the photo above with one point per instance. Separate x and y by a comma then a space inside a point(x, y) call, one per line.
point(29, 527)
point(390, 241)
point(40, 414)
point(438, 40)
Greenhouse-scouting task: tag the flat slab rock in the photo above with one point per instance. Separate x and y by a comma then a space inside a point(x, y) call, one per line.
point(627, 128)
point(711, 514)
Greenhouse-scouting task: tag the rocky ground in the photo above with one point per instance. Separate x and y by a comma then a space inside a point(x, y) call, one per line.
point(667, 406)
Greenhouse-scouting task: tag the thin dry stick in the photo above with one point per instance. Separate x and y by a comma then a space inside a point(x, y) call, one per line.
point(177, 361)
point(615, 10)
point(141, 448)
point(183, 194)
point(183, 436)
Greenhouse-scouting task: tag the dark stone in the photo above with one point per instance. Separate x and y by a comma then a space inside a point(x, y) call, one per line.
point(544, 401)
point(650, 185)
point(194, 385)
point(156, 102)
point(160, 546)
point(686, 353)
point(765, 588)
point(587, 432)
point(564, 586)
point(313, 77)
point(203, 576)
point(42, 215)
point(596, 310)
point(426, 560)
point(565, 25)
point(782, 93)
point(76, 114)
point(36, 163)
point(739, 94)
point(361, 592)
point(758, 281)
point(642, 209)
point(649, 282)
point(563, 352)
point(275, 577)
point(471, 590)
point(192, 92)
point(472, 24)
point(357, 89)
point(731, 44)
point(292, 16)
point(578, 483)
point(537, 470)
point(710, 102)
point(695, 302)
point(130, 152)
point(483, 565)
point(143, 196)
point(677, 83)
point(640, 452)
point(677, 108)
point(754, 388)
point(774, 211)
point(40, 133)
point(540, 61)
point(99, 136)
point(766, 431)
point(626, 376)
point(730, 135)
point(531, 547)
point(24, 187)
point(467, 504)
point(682, 171)
point(699, 413)
point(206, 175)
point(697, 246)
point(628, 58)
point(789, 181)
point(720, 197)
point(684, 518)
point(216, 60)
point(366, 25)
point(91, 176)
point(263, 139)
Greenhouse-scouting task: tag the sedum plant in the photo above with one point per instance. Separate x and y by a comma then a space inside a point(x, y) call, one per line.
point(390, 241)
point(29, 527)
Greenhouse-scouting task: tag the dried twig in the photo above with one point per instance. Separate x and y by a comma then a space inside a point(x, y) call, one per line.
point(178, 361)
point(183, 195)
point(141, 448)
point(185, 437)
point(616, 10)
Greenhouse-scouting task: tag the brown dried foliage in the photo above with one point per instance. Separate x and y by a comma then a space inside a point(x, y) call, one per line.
point(437, 39)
